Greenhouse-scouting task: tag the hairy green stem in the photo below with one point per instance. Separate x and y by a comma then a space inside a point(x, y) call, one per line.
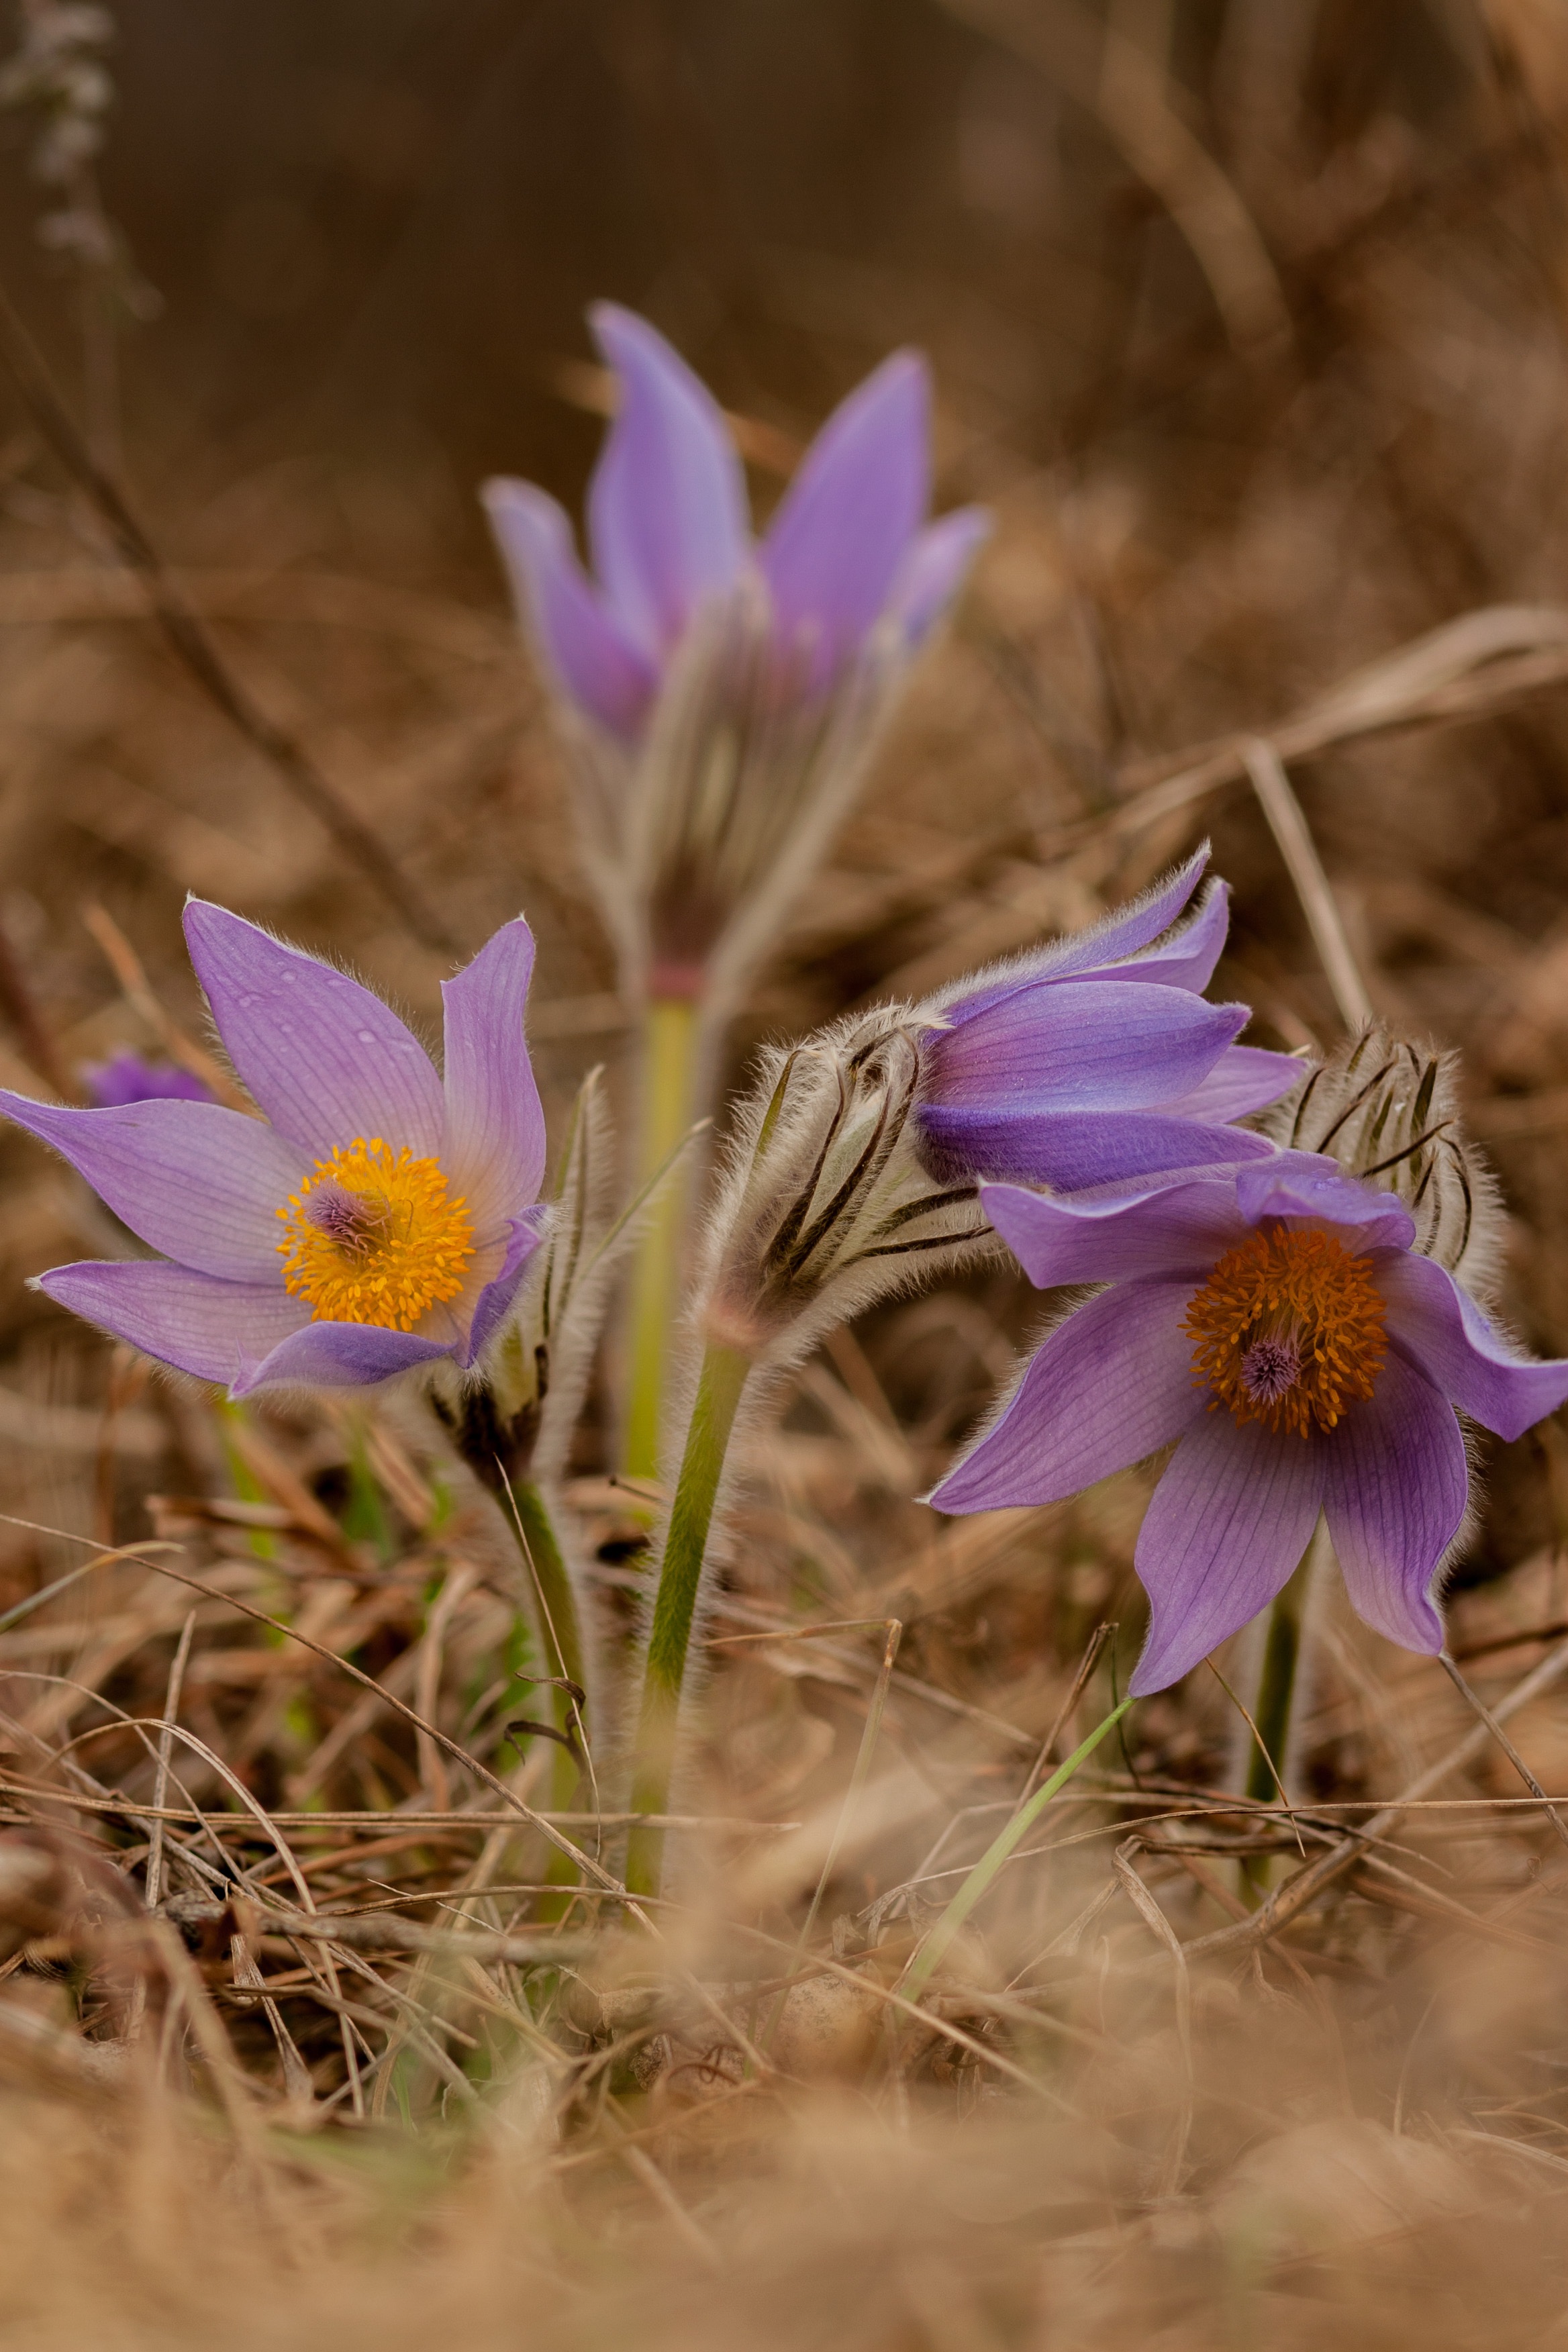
point(934, 1949)
point(564, 1657)
point(670, 1048)
point(1276, 1699)
point(1276, 1685)
point(719, 1388)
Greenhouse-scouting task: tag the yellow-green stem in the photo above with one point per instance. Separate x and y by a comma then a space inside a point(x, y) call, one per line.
point(560, 1635)
point(932, 1951)
point(670, 1062)
point(719, 1388)
point(1276, 1698)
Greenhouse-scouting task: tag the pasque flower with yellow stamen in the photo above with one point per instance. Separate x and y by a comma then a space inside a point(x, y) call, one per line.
point(377, 1218)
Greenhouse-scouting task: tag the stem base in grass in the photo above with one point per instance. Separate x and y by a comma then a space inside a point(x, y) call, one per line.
point(720, 1386)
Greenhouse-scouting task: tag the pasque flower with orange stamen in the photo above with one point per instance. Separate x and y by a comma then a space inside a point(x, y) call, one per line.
point(1275, 1322)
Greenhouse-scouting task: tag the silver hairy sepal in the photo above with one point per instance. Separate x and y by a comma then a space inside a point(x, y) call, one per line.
point(699, 838)
point(828, 1203)
point(1388, 1110)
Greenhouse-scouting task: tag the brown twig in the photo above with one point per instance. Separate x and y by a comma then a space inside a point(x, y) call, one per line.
point(193, 645)
point(1288, 1902)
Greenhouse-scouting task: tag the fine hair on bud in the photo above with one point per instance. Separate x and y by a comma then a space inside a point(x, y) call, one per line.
point(827, 1203)
point(698, 838)
point(1388, 1110)
point(518, 1407)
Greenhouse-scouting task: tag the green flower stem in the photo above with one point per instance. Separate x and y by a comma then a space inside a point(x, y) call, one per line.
point(1272, 1708)
point(562, 1637)
point(670, 1046)
point(1276, 1685)
point(723, 1377)
point(934, 1949)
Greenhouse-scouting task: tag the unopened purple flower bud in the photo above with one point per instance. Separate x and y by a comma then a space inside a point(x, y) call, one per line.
point(723, 695)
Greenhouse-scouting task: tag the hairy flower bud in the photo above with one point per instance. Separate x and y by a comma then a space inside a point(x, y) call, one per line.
point(516, 1421)
point(829, 1203)
point(1388, 1110)
point(700, 837)
point(721, 694)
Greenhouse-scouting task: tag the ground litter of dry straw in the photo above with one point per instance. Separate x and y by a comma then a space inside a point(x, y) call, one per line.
point(570, 2134)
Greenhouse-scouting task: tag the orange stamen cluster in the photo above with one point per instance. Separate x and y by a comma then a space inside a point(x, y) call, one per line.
point(373, 1238)
point(1288, 1329)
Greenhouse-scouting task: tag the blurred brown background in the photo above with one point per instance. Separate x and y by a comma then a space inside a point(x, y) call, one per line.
point(1246, 315)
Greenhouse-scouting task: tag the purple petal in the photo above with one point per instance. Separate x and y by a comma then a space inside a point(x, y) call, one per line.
point(127, 1078)
point(1244, 1080)
point(1184, 1225)
point(1444, 1331)
point(1186, 957)
point(1112, 1383)
point(849, 518)
point(1103, 1045)
point(935, 568)
point(1395, 1486)
point(336, 1356)
point(1127, 931)
point(326, 1060)
point(667, 509)
point(192, 1321)
point(201, 1183)
point(1076, 1150)
point(1228, 1522)
point(596, 665)
point(495, 1300)
point(1305, 1184)
point(494, 1149)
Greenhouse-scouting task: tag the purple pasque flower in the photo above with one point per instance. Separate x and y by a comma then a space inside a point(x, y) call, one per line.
point(1096, 1058)
point(127, 1077)
point(1274, 1321)
point(723, 693)
point(375, 1219)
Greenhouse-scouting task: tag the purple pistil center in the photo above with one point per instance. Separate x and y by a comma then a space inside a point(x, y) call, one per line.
point(347, 1219)
point(1270, 1369)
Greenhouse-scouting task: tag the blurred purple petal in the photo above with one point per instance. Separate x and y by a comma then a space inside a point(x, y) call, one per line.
point(667, 509)
point(495, 1300)
point(1306, 1184)
point(336, 1356)
point(1064, 1240)
point(201, 1182)
point(1228, 1522)
point(325, 1059)
point(1395, 1485)
point(127, 1078)
point(494, 1153)
point(849, 518)
point(1114, 1382)
point(1109, 1046)
point(1441, 1326)
point(935, 568)
point(1120, 935)
point(1074, 1151)
point(599, 667)
point(192, 1321)
point(1245, 1078)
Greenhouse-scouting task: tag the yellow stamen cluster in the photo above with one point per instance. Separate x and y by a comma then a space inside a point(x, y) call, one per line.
point(373, 1237)
point(1289, 1330)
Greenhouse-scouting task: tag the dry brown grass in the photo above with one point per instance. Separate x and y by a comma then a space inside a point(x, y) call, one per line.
point(557, 2130)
